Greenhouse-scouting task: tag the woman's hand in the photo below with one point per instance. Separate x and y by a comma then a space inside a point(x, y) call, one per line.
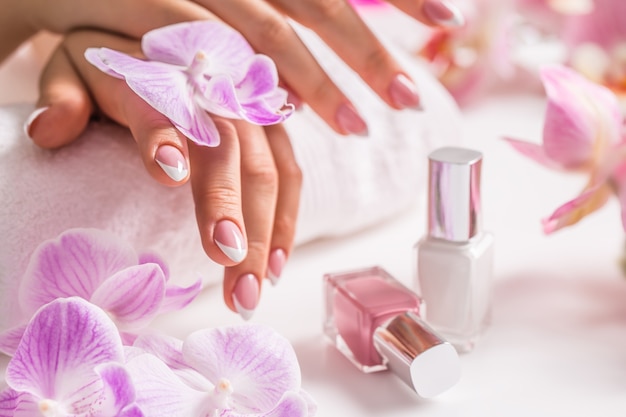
point(265, 24)
point(246, 190)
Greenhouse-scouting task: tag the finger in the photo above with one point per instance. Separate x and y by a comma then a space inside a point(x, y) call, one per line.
point(259, 191)
point(216, 185)
point(129, 17)
point(288, 202)
point(268, 32)
point(64, 105)
point(163, 148)
point(340, 26)
point(441, 13)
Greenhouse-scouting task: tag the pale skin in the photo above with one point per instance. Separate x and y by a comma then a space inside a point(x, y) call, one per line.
point(252, 177)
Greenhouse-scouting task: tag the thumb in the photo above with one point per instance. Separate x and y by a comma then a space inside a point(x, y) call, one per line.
point(64, 106)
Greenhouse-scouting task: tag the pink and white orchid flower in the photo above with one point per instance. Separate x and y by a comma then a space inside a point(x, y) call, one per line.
point(69, 363)
point(238, 371)
point(583, 131)
point(597, 42)
point(104, 270)
point(197, 67)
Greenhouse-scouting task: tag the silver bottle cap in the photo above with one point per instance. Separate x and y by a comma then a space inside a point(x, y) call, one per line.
point(417, 355)
point(454, 211)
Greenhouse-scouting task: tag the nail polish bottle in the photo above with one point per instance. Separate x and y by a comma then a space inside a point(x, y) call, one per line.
point(375, 322)
point(454, 259)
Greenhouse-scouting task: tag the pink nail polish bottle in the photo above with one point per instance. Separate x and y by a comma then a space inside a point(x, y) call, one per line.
point(375, 322)
point(454, 260)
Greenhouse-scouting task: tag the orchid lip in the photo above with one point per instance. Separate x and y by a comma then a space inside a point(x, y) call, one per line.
point(51, 408)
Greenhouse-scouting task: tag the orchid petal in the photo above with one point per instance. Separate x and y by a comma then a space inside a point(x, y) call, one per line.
point(290, 405)
point(261, 77)
point(27, 406)
point(177, 298)
point(74, 264)
point(92, 55)
point(10, 339)
point(60, 349)
point(132, 296)
point(259, 362)
point(162, 393)
point(164, 87)
point(582, 118)
point(169, 350)
point(533, 151)
point(221, 99)
point(573, 211)
point(154, 258)
point(118, 390)
point(227, 49)
point(8, 402)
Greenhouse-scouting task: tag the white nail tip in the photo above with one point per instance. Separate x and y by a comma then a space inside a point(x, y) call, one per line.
point(273, 278)
point(177, 173)
point(243, 312)
point(34, 115)
point(234, 254)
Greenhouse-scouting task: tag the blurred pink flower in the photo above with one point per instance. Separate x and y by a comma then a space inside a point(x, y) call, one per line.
point(597, 43)
point(583, 131)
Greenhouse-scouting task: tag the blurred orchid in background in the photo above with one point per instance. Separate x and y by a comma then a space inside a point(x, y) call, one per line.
point(197, 67)
point(69, 363)
point(583, 131)
point(97, 266)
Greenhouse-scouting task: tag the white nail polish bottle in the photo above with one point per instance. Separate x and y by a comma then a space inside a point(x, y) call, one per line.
point(454, 260)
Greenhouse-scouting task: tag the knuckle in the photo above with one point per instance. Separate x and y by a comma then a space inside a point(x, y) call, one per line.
point(375, 61)
point(293, 173)
point(272, 33)
point(327, 9)
point(262, 175)
point(284, 226)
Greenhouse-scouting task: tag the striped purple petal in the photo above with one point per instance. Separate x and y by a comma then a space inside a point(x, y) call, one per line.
point(132, 296)
point(61, 347)
point(260, 364)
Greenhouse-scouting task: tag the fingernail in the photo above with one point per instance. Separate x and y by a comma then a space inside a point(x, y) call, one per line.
point(350, 121)
point(31, 119)
point(443, 13)
point(276, 263)
point(404, 93)
point(229, 239)
point(246, 295)
point(172, 162)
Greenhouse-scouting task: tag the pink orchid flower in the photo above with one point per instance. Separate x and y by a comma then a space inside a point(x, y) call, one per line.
point(69, 364)
point(597, 42)
point(197, 67)
point(582, 132)
point(97, 266)
point(246, 370)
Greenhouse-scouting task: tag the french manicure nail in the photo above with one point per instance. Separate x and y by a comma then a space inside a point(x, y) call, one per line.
point(246, 295)
point(172, 162)
point(443, 13)
point(350, 121)
point(31, 119)
point(229, 239)
point(276, 263)
point(404, 93)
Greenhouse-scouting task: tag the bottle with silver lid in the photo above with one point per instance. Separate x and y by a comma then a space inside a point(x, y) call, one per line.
point(455, 258)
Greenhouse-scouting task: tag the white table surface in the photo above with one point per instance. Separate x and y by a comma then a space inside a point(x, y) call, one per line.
point(557, 344)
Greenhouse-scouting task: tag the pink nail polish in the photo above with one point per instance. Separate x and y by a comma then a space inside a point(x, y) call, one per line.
point(403, 92)
point(31, 119)
point(443, 13)
point(246, 295)
point(276, 263)
point(375, 322)
point(229, 239)
point(350, 121)
point(172, 162)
